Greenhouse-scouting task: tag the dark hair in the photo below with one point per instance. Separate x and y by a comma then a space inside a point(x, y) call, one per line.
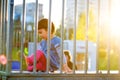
point(69, 63)
point(43, 24)
point(67, 54)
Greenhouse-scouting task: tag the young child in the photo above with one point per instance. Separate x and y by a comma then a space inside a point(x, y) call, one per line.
point(55, 50)
point(69, 62)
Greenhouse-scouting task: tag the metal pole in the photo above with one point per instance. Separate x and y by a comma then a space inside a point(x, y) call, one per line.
point(1, 6)
point(10, 5)
point(74, 47)
point(49, 34)
point(62, 35)
point(2, 28)
point(98, 36)
point(86, 54)
point(4, 25)
point(109, 39)
point(22, 34)
point(35, 34)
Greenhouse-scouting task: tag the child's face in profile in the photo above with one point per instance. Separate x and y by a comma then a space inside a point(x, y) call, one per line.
point(42, 33)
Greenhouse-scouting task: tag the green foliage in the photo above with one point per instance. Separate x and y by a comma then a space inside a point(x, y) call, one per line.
point(103, 57)
point(82, 30)
point(103, 60)
point(58, 32)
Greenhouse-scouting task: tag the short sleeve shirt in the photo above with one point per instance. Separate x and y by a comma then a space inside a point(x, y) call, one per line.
point(55, 52)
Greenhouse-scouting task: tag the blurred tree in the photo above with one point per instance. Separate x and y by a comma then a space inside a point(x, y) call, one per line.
point(80, 32)
point(58, 32)
point(70, 35)
point(81, 28)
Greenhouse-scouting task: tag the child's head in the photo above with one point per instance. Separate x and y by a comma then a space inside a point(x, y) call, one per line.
point(43, 28)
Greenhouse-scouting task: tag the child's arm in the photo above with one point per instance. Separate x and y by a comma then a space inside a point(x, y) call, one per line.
point(65, 66)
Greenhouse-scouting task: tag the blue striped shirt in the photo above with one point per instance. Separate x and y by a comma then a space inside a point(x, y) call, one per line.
point(55, 52)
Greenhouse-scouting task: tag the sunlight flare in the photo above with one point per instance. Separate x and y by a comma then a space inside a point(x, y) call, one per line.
point(115, 19)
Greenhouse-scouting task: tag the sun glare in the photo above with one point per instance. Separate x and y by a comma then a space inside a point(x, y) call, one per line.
point(115, 19)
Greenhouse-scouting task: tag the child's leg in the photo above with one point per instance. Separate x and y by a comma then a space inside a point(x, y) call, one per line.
point(30, 68)
point(39, 67)
point(40, 61)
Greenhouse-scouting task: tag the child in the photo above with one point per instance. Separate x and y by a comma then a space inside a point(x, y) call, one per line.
point(55, 50)
point(68, 57)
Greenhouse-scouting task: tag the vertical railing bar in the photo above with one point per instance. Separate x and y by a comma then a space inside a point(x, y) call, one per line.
point(86, 54)
point(3, 27)
point(1, 7)
point(48, 40)
point(118, 54)
point(22, 34)
point(74, 45)
point(35, 34)
point(98, 36)
point(6, 34)
point(118, 50)
point(109, 39)
point(11, 24)
point(4, 24)
point(11, 31)
point(8, 42)
point(62, 35)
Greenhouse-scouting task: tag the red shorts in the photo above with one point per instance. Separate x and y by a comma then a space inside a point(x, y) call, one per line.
point(40, 61)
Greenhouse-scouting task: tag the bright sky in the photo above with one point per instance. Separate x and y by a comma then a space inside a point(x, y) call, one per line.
point(56, 9)
point(111, 17)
